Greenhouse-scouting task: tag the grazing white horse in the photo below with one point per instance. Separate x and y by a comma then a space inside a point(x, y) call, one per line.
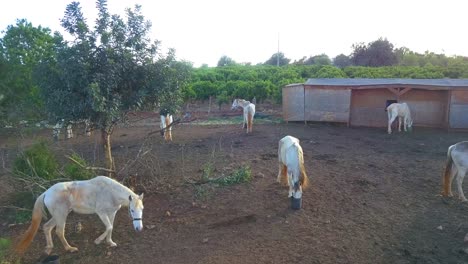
point(166, 121)
point(401, 111)
point(101, 195)
point(291, 166)
point(249, 112)
point(456, 166)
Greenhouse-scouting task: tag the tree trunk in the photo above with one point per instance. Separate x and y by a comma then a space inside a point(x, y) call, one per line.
point(106, 140)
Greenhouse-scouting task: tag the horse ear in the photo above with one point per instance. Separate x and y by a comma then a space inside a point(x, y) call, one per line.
point(130, 198)
point(141, 196)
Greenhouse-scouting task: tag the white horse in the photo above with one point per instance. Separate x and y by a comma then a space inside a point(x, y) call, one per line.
point(291, 166)
point(249, 112)
point(401, 111)
point(69, 128)
point(101, 195)
point(456, 166)
point(166, 121)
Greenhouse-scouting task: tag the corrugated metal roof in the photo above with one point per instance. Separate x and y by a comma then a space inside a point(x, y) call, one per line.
point(366, 82)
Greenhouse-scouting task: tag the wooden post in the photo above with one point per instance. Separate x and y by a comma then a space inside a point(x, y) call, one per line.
point(209, 106)
point(447, 110)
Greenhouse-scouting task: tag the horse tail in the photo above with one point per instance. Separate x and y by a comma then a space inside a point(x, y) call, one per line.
point(37, 214)
point(448, 169)
point(304, 180)
point(249, 121)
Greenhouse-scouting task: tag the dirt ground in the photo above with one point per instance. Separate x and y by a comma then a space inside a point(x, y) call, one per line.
point(373, 198)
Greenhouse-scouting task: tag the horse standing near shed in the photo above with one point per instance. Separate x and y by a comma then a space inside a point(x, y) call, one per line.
point(249, 112)
point(100, 195)
point(402, 111)
point(291, 166)
point(456, 167)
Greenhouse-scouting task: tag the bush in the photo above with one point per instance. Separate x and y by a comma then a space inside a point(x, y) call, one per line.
point(238, 176)
point(37, 160)
point(77, 172)
point(5, 245)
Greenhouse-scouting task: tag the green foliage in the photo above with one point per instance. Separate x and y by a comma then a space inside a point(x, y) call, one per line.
point(375, 54)
point(222, 98)
point(226, 61)
point(38, 160)
point(341, 61)
point(110, 70)
point(22, 48)
point(21, 199)
point(5, 245)
point(240, 175)
point(77, 172)
point(330, 72)
point(208, 169)
point(277, 59)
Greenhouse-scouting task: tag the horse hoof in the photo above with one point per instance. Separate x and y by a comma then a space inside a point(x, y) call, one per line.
point(97, 241)
point(112, 244)
point(72, 249)
point(48, 251)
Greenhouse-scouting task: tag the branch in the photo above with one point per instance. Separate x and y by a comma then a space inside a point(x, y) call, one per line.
point(88, 167)
point(15, 207)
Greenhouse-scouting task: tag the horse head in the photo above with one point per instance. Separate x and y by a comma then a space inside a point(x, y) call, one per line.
point(235, 104)
point(410, 124)
point(135, 210)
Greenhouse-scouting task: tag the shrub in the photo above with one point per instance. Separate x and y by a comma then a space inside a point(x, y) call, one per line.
point(77, 172)
point(5, 245)
point(240, 175)
point(37, 160)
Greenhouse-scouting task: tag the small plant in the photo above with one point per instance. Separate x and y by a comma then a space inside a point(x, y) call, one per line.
point(38, 160)
point(208, 170)
point(202, 192)
point(240, 175)
point(77, 171)
point(5, 245)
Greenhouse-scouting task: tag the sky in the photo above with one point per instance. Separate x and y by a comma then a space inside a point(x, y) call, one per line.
point(202, 31)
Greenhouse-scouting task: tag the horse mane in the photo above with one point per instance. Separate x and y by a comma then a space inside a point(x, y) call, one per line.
point(304, 180)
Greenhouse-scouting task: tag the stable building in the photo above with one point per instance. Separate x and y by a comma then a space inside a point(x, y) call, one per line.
point(439, 103)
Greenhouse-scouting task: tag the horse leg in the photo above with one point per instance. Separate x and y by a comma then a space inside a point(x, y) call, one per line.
point(390, 121)
point(399, 124)
point(282, 173)
point(48, 234)
point(109, 234)
point(105, 219)
point(291, 184)
point(245, 121)
point(60, 231)
point(453, 172)
point(405, 124)
point(460, 175)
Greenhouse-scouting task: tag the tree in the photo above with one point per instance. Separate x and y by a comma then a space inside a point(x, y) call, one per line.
point(226, 61)
point(329, 71)
point(277, 57)
point(320, 60)
point(108, 71)
point(376, 54)
point(22, 48)
point(342, 61)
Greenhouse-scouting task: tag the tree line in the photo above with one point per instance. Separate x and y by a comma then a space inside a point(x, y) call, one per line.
point(115, 68)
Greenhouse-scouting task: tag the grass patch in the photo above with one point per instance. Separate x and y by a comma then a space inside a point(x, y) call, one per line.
point(238, 176)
